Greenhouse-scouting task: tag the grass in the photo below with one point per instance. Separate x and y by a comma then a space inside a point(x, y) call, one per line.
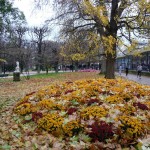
point(36, 76)
point(44, 75)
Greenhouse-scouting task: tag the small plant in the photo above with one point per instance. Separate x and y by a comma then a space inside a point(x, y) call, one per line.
point(93, 112)
point(46, 103)
point(36, 116)
point(140, 105)
point(113, 99)
point(100, 131)
point(23, 109)
point(91, 101)
point(50, 122)
point(71, 110)
point(131, 127)
point(71, 128)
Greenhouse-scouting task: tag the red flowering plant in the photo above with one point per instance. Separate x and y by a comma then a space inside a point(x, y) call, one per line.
point(92, 101)
point(140, 105)
point(36, 116)
point(71, 110)
point(101, 131)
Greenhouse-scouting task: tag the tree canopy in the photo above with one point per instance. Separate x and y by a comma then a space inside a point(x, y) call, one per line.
point(9, 13)
point(117, 22)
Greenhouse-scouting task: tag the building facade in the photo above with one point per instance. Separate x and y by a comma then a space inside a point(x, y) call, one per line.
point(132, 61)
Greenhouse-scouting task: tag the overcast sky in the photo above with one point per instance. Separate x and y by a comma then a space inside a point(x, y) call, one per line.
point(34, 17)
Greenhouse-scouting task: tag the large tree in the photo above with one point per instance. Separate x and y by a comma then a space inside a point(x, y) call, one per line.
point(116, 21)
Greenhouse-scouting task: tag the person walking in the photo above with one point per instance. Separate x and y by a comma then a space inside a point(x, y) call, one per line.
point(139, 71)
point(127, 71)
point(120, 70)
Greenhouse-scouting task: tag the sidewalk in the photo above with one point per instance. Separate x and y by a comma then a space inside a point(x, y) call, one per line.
point(143, 80)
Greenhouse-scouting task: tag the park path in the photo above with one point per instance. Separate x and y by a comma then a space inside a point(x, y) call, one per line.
point(143, 80)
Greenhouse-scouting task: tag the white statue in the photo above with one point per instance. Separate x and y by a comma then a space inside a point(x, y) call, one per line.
point(17, 69)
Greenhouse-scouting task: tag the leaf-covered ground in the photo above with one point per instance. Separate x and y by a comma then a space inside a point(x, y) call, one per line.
point(85, 114)
point(12, 91)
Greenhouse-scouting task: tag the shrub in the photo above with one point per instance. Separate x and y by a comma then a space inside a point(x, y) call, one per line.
point(101, 131)
point(141, 106)
point(71, 110)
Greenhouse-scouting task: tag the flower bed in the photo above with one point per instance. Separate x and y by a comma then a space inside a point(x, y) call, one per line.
point(88, 70)
point(90, 114)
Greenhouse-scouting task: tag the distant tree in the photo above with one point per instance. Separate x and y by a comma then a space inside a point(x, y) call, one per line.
point(10, 18)
point(81, 47)
point(39, 35)
point(51, 55)
point(17, 42)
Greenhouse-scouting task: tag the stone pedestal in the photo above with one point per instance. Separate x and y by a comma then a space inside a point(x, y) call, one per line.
point(16, 76)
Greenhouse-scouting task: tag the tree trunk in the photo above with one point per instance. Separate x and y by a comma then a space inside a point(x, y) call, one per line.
point(88, 64)
point(46, 69)
point(76, 66)
point(110, 66)
point(21, 67)
point(56, 67)
point(72, 66)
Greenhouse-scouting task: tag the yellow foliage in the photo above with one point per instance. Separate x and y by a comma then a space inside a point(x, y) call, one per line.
point(131, 126)
point(2, 60)
point(77, 56)
point(93, 112)
point(71, 128)
point(46, 104)
point(50, 122)
point(108, 43)
point(114, 99)
point(95, 11)
point(23, 109)
point(133, 46)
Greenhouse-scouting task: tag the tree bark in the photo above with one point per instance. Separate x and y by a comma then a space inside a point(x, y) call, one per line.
point(38, 69)
point(76, 66)
point(88, 65)
point(46, 69)
point(110, 66)
point(56, 67)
